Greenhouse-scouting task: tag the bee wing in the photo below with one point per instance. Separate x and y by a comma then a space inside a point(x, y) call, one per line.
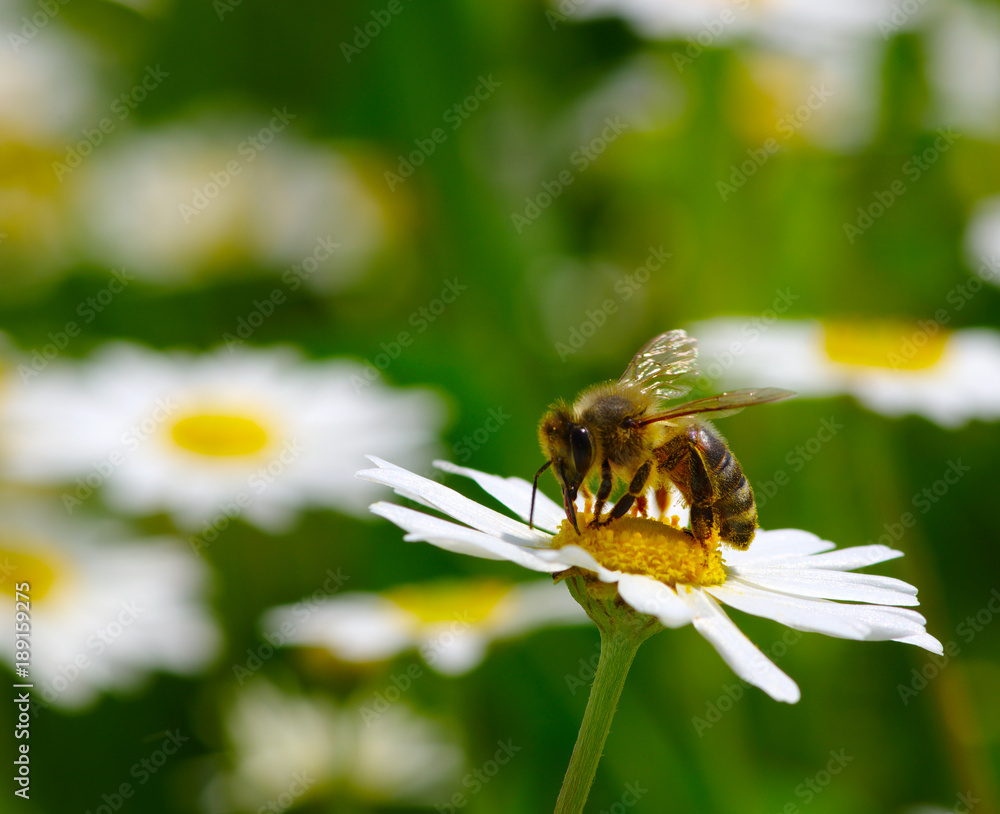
point(723, 404)
point(665, 365)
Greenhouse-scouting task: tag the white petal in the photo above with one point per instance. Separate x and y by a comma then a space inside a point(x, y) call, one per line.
point(779, 544)
point(796, 614)
point(535, 604)
point(847, 559)
point(569, 555)
point(453, 652)
point(515, 494)
point(432, 494)
point(871, 588)
point(461, 540)
point(736, 649)
point(651, 596)
point(860, 622)
point(924, 640)
point(355, 627)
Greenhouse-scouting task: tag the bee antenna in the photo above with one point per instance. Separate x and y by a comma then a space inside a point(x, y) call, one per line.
point(534, 488)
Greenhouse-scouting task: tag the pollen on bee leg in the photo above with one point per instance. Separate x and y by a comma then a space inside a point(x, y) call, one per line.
point(640, 506)
point(588, 501)
point(662, 500)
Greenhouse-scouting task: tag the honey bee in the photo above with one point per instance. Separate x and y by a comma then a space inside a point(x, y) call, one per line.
point(619, 429)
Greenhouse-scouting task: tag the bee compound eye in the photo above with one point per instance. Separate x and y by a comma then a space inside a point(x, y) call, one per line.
point(582, 445)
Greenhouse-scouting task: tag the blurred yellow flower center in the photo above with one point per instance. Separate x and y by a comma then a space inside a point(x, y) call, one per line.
point(894, 345)
point(18, 567)
point(219, 435)
point(444, 601)
point(649, 547)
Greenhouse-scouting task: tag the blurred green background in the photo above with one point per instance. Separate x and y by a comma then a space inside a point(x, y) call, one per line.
point(554, 77)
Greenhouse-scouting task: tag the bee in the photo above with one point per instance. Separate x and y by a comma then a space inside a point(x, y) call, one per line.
point(619, 430)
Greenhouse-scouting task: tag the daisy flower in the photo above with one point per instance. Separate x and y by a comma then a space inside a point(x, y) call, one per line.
point(893, 368)
point(289, 748)
point(450, 623)
point(106, 607)
point(982, 239)
point(796, 47)
point(254, 433)
point(183, 202)
point(963, 66)
point(787, 575)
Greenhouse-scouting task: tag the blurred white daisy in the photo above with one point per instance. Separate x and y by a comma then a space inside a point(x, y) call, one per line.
point(176, 204)
point(107, 607)
point(817, 62)
point(450, 623)
point(48, 92)
point(982, 240)
point(289, 748)
point(788, 575)
point(963, 66)
point(893, 368)
point(243, 432)
point(801, 25)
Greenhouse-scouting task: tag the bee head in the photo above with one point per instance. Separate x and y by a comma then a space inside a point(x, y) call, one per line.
point(569, 447)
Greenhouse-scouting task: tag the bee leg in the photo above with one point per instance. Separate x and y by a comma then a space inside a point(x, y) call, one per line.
point(662, 500)
point(635, 488)
point(640, 505)
point(603, 491)
point(703, 495)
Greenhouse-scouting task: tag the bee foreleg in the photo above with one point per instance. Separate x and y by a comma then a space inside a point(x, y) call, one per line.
point(635, 488)
point(603, 491)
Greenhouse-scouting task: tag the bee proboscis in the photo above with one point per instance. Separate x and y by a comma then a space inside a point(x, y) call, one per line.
point(619, 430)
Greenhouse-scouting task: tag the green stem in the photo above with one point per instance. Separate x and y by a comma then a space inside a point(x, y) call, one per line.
point(618, 649)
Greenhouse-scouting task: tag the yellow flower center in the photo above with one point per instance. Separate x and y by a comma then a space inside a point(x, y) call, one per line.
point(443, 601)
point(895, 345)
point(219, 435)
point(18, 567)
point(652, 548)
